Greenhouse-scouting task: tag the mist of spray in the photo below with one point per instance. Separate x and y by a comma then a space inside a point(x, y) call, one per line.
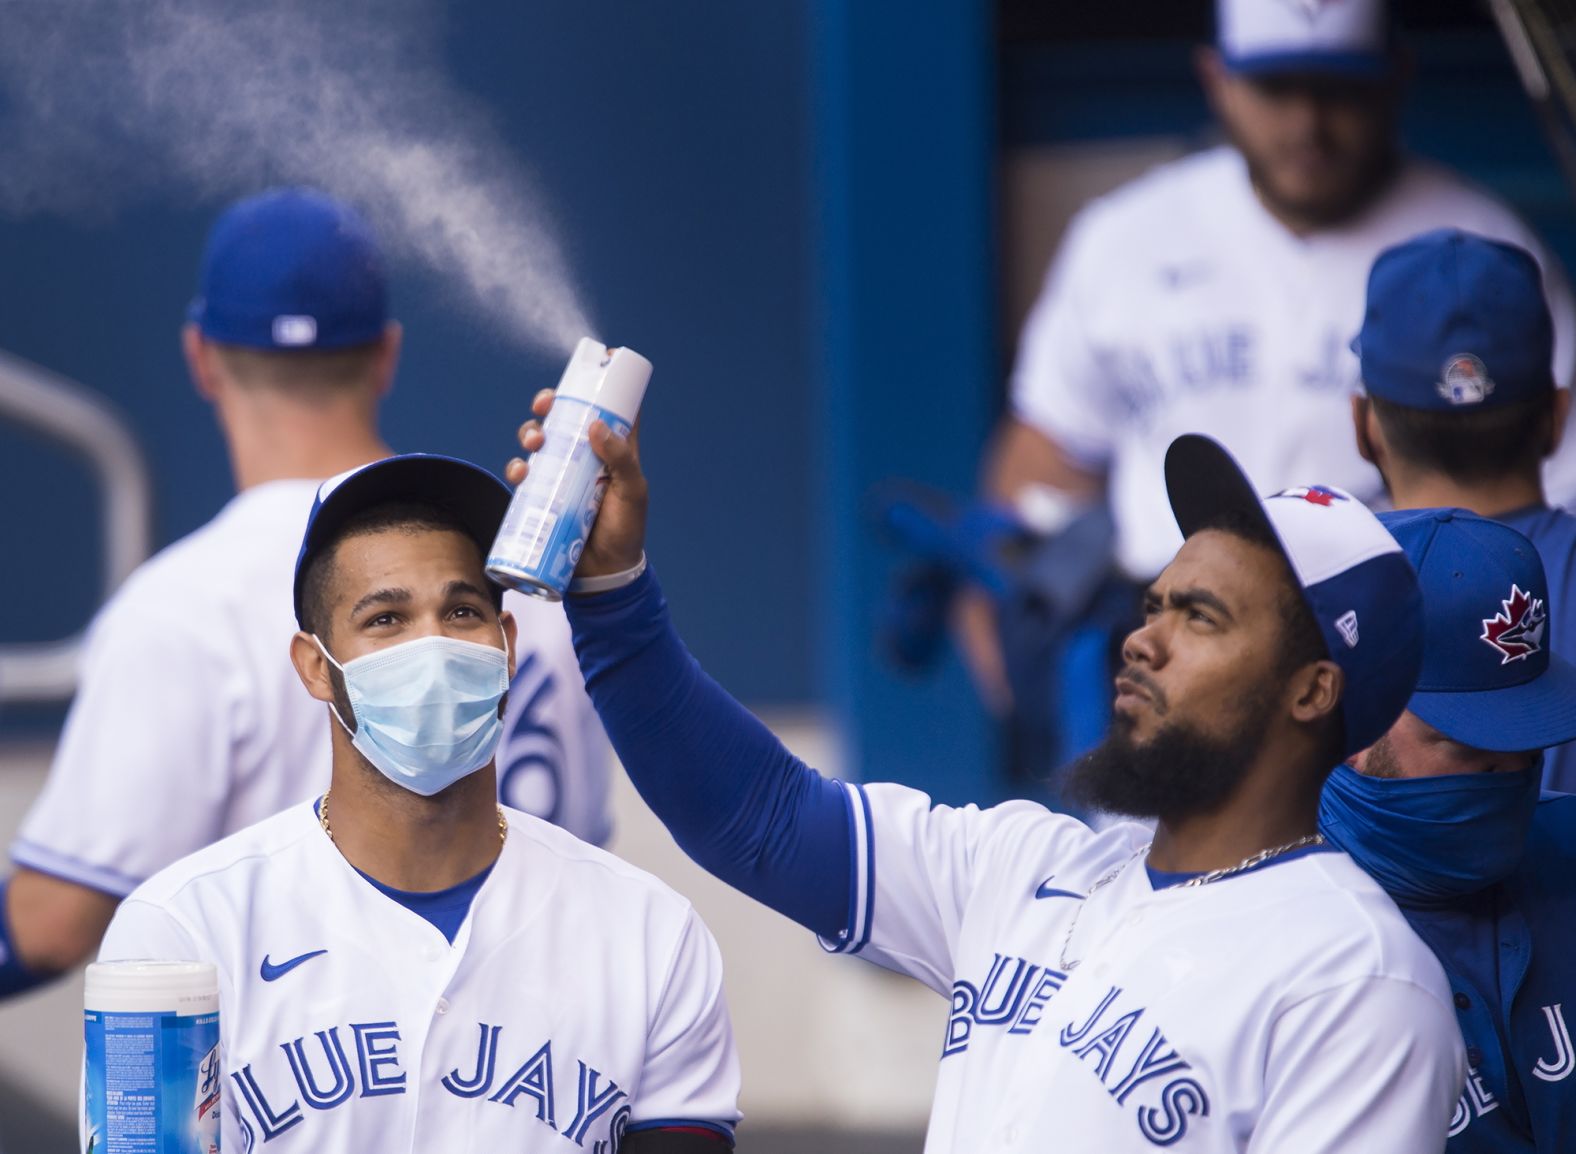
point(108, 102)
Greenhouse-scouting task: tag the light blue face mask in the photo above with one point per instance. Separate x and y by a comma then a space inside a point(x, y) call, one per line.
point(426, 710)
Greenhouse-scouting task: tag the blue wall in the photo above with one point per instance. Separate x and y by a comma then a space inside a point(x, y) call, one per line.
point(699, 258)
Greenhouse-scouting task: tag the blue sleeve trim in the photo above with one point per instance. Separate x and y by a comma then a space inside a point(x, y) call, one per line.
point(734, 799)
point(869, 860)
point(723, 1128)
point(41, 859)
point(15, 978)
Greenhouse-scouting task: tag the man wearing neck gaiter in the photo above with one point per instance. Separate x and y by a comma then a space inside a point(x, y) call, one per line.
point(1444, 812)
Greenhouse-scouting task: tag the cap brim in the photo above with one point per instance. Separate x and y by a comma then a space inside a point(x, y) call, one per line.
point(1359, 66)
point(1204, 482)
point(1536, 714)
point(470, 493)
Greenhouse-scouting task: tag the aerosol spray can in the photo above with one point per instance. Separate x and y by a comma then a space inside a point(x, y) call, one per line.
point(545, 530)
point(151, 1074)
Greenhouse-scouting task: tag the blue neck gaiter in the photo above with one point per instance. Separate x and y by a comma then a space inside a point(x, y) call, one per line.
point(1431, 840)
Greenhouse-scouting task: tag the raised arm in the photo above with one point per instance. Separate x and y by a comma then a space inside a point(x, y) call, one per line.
point(732, 796)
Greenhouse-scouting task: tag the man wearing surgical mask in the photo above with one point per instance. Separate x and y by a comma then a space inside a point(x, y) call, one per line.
point(404, 963)
point(1444, 811)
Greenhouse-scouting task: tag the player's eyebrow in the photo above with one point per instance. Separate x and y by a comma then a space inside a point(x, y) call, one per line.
point(1199, 598)
point(389, 596)
point(460, 586)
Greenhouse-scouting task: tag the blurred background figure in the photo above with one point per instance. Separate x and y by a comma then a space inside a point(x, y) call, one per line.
point(1458, 409)
point(189, 723)
point(1218, 294)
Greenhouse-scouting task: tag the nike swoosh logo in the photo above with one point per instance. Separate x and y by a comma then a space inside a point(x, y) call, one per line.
point(272, 973)
point(1046, 890)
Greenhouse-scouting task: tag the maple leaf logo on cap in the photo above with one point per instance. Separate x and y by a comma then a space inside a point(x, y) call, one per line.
point(1315, 494)
point(1517, 629)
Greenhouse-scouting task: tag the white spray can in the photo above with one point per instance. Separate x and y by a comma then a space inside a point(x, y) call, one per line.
point(151, 1076)
point(545, 530)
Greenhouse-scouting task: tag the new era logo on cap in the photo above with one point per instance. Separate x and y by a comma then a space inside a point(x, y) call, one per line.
point(1346, 625)
point(1517, 629)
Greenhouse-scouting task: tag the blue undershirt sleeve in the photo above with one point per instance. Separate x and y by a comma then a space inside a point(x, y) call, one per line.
point(732, 796)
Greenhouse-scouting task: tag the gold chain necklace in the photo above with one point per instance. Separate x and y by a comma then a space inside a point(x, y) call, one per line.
point(1203, 879)
point(322, 819)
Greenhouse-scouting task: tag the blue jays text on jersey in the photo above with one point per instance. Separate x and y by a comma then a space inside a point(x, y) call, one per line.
point(362, 1060)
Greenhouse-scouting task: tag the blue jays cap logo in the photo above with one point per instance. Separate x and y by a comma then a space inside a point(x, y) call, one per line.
point(1517, 629)
point(1465, 380)
point(1315, 495)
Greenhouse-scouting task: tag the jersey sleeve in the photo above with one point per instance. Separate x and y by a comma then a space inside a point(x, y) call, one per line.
point(1059, 385)
point(1376, 1064)
point(691, 1076)
point(918, 867)
point(145, 931)
point(141, 774)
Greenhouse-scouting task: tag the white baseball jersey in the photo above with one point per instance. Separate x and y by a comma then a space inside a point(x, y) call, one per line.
point(1177, 304)
point(581, 997)
point(189, 706)
point(1287, 1010)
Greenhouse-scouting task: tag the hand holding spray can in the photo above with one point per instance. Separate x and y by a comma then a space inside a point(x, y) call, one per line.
point(545, 530)
point(151, 1074)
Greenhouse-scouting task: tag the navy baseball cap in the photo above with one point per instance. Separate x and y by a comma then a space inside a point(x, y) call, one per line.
point(1354, 578)
point(291, 268)
point(1489, 680)
point(1455, 321)
point(472, 494)
point(1305, 37)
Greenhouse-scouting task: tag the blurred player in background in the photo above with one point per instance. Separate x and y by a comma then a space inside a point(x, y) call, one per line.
point(190, 722)
point(1443, 811)
point(1218, 294)
point(1234, 985)
point(403, 963)
point(1458, 407)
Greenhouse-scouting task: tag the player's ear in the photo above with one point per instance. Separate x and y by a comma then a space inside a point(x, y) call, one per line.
point(511, 631)
point(1364, 427)
point(389, 345)
point(1315, 691)
point(312, 667)
point(199, 361)
point(1211, 75)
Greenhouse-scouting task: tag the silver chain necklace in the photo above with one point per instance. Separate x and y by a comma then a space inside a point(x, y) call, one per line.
point(1203, 879)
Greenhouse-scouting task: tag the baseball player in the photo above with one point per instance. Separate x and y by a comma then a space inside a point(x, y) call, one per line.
point(1444, 812)
point(1458, 408)
point(188, 704)
point(404, 963)
point(1226, 983)
point(1218, 294)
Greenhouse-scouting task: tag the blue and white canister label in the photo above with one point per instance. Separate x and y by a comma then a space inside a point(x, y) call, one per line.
point(151, 1083)
point(552, 512)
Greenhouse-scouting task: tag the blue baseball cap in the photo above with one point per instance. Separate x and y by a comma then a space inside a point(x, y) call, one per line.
point(1489, 680)
point(1305, 37)
point(291, 268)
point(472, 494)
point(1354, 578)
point(1455, 321)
